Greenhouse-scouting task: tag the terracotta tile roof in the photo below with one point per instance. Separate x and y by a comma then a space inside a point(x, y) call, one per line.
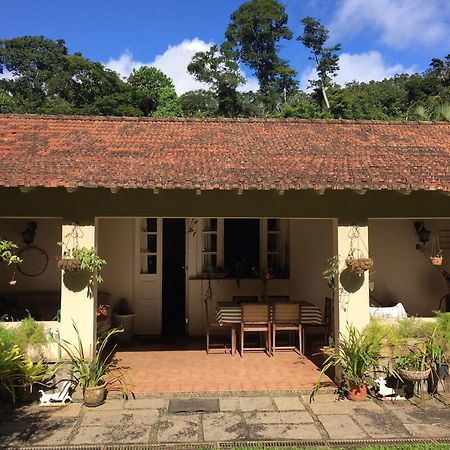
point(223, 153)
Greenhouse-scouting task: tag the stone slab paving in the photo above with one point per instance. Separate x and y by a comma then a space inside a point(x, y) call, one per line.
point(287, 416)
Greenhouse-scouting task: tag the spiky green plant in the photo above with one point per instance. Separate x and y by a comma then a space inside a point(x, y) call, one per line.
point(102, 369)
point(356, 355)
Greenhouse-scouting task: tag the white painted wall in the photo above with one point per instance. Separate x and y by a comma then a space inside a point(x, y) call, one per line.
point(116, 246)
point(401, 273)
point(48, 233)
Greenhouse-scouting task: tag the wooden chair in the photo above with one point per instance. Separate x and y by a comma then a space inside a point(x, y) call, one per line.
point(326, 321)
point(255, 319)
point(286, 316)
point(239, 299)
point(214, 325)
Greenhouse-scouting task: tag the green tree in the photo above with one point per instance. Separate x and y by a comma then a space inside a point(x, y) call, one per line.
point(217, 68)
point(441, 69)
point(254, 33)
point(150, 89)
point(199, 103)
point(32, 60)
point(314, 37)
point(7, 103)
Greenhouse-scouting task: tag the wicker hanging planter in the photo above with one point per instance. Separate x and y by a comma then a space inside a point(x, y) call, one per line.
point(359, 265)
point(69, 264)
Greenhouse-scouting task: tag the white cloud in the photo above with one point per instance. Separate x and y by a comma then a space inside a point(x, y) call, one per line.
point(401, 23)
point(173, 62)
point(361, 67)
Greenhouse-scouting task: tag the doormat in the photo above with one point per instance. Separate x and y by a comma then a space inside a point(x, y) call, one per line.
point(193, 405)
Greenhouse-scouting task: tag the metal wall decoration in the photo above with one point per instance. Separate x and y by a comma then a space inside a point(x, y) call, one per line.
point(34, 259)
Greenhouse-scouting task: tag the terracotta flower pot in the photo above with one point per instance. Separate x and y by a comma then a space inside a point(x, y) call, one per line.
point(357, 393)
point(94, 396)
point(436, 260)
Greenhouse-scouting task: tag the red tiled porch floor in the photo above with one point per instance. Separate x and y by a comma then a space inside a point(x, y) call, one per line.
point(192, 370)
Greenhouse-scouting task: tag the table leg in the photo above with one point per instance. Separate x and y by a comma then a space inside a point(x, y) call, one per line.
point(233, 339)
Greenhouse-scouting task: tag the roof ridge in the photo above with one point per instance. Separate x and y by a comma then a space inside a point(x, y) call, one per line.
point(90, 118)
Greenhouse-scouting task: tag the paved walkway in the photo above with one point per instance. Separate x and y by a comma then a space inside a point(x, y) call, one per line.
point(240, 418)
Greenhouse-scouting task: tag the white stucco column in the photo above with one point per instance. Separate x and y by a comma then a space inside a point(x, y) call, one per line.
point(352, 295)
point(78, 301)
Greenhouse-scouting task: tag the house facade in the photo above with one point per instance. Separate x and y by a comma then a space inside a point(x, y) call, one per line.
point(179, 205)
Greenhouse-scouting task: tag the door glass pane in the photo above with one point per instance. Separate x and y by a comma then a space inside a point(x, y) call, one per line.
point(151, 224)
point(151, 243)
point(148, 264)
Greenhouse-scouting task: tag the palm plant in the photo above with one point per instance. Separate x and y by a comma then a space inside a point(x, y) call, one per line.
point(102, 370)
point(10, 360)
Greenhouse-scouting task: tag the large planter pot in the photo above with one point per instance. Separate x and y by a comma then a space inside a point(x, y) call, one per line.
point(357, 393)
point(94, 396)
point(126, 322)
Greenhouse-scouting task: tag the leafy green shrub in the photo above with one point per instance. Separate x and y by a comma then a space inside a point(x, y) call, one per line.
point(30, 333)
point(10, 360)
point(8, 337)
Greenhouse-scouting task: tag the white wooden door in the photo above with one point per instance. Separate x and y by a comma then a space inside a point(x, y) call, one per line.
point(148, 270)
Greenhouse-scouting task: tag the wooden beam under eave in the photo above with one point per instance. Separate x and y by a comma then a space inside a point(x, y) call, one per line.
point(319, 191)
point(198, 192)
point(71, 190)
point(404, 191)
point(446, 193)
point(156, 191)
point(281, 192)
point(115, 190)
point(26, 189)
point(240, 192)
point(360, 191)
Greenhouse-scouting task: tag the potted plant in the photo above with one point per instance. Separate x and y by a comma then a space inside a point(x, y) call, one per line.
point(102, 371)
point(414, 366)
point(437, 258)
point(356, 355)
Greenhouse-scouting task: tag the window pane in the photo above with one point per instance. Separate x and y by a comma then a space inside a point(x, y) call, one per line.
point(273, 225)
point(209, 224)
point(275, 263)
point(274, 242)
point(210, 263)
point(210, 242)
point(241, 247)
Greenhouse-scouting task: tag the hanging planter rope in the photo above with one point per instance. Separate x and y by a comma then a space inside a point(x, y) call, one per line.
point(70, 261)
point(358, 261)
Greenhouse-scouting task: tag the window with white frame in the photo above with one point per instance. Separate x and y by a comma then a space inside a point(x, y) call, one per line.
point(149, 245)
point(245, 248)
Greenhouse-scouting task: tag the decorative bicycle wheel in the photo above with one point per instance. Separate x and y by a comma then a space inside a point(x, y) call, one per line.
point(34, 261)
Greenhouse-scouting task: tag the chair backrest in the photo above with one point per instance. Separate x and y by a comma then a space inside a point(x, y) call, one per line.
point(278, 298)
point(287, 312)
point(255, 312)
point(239, 299)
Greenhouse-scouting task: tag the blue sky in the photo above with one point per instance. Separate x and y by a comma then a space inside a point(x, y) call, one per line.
point(379, 37)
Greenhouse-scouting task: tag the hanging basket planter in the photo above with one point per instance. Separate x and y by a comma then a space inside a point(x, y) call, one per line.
point(69, 264)
point(359, 265)
point(436, 260)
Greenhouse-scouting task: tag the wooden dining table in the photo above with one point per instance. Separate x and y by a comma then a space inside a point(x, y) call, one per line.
point(231, 313)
